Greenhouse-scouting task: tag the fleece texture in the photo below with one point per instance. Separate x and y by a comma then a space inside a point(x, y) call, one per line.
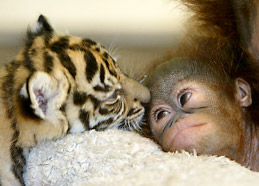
point(116, 158)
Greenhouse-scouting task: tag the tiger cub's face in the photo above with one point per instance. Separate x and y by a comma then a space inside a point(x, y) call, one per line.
point(89, 88)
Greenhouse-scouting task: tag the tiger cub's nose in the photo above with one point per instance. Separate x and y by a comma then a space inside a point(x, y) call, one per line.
point(135, 89)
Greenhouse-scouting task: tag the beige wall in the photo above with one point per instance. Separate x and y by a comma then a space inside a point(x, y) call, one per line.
point(125, 22)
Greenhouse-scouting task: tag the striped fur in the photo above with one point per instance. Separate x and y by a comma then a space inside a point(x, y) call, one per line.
point(59, 84)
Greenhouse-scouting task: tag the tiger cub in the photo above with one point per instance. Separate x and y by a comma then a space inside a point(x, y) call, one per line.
point(59, 84)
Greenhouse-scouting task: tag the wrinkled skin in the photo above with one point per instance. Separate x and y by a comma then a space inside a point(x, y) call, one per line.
point(197, 106)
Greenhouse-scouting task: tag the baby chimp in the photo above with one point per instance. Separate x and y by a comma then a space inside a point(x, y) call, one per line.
point(197, 105)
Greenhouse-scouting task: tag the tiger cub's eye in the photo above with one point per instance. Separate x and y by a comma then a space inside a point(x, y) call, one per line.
point(113, 96)
point(116, 93)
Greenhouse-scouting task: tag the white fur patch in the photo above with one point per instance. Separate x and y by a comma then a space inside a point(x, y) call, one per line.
point(37, 27)
point(115, 158)
point(77, 127)
point(23, 91)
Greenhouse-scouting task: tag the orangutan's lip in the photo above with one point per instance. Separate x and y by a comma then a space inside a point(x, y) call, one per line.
point(179, 127)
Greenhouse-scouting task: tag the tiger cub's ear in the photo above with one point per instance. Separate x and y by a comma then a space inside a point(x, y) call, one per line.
point(47, 94)
point(42, 26)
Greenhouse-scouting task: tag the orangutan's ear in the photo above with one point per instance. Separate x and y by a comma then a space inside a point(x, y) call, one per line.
point(243, 93)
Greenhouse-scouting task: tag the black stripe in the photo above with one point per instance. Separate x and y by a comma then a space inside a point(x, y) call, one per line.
point(103, 124)
point(8, 90)
point(79, 98)
point(35, 140)
point(131, 111)
point(112, 72)
point(47, 38)
point(16, 152)
point(67, 63)
point(69, 89)
point(137, 111)
point(16, 131)
point(8, 87)
point(63, 108)
point(102, 89)
point(106, 63)
point(88, 42)
point(30, 39)
point(77, 47)
point(97, 49)
point(33, 52)
point(115, 103)
point(102, 74)
point(95, 101)
point(91, 65)
point(60, 47)
point(27, 61)
point(104, 111)
point(106, 55)
point(48, 62)
point(19, 162)
point(69, 85)
point(119, 107)
point(84, 118)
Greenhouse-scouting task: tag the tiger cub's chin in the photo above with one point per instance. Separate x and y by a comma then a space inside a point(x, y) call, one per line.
point(59, 84)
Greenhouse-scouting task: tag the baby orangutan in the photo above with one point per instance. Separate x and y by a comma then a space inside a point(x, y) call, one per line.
point(205, 96)
point(197, 106)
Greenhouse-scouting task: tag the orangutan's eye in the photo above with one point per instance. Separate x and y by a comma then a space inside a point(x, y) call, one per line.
point(161, 114)
point(184, 98)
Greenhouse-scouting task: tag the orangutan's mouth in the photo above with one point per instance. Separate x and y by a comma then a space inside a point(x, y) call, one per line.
point(182, 134)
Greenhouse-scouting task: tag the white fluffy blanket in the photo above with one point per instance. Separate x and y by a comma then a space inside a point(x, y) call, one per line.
point(124, 158)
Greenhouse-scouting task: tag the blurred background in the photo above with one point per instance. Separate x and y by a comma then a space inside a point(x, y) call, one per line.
point(135, 31)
